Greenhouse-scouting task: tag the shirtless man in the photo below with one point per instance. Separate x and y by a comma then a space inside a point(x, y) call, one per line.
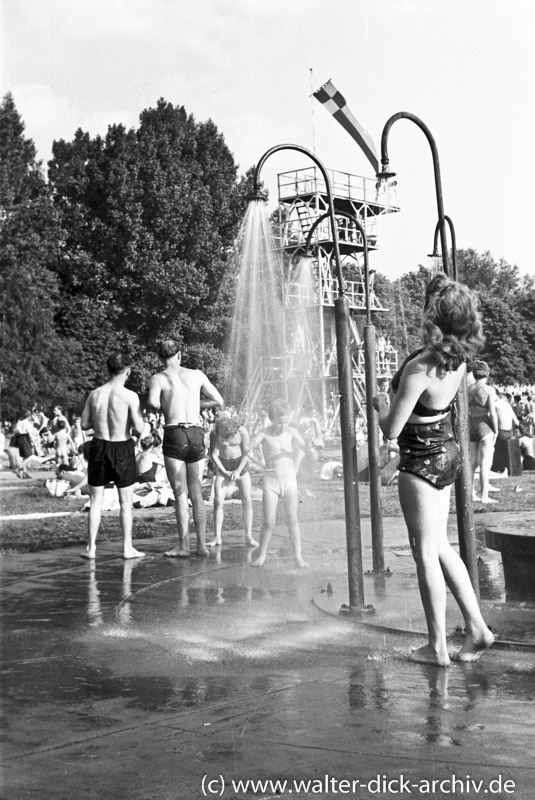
point(177, 392)
point(507, 419)
point(112, 411)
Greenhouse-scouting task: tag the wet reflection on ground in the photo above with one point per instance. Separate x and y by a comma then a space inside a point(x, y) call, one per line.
point(228, 665)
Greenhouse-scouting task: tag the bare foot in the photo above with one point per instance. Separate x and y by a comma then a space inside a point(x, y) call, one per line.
point(89, 553)
point(214, 543)
point(133, 553)
point(250, 542)
point(301, 564)
point(258, 562)
point(202, 551)
point(426, 655)
point(177, 552)
point(488, 500)
point(474, 646)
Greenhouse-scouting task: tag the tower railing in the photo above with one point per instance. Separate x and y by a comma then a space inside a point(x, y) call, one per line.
point(309, 181)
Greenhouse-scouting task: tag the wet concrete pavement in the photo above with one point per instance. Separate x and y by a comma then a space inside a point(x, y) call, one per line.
point(164, 679)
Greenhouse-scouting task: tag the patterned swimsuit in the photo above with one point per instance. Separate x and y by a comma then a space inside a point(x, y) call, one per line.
point(428, 449)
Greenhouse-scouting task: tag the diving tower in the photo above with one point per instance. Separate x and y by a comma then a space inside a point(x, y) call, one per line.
point(306, 374)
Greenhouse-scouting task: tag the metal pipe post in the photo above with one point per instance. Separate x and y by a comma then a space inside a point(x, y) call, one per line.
point(374, 453)
point(436, 167)
point(463, 488)
point(374, 458)
point(345, 380)
point(349, 454)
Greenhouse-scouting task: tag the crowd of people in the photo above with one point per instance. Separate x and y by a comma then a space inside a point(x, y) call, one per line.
point(123, 458)
point(499, 421)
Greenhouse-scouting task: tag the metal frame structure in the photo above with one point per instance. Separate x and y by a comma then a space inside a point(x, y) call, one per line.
point(307, 373)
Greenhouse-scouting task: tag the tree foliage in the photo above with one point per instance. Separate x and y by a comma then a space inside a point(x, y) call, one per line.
point(36, 363)
point(507, 307)
point(151, 215)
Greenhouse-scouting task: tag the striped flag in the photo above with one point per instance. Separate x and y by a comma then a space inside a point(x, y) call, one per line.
point(336, 104)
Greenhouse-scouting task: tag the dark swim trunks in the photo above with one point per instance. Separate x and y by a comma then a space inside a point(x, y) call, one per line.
point(232, 464)
point(109, 462)
point(430, 451)
point(184, 444)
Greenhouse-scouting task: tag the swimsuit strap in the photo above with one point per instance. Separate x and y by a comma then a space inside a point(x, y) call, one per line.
point(419, 409)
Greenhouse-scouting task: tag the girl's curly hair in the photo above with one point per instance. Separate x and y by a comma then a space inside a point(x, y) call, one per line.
point(226, 426)
point(451, 324)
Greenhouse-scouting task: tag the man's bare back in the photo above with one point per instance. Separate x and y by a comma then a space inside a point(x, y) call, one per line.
point(179, 391)
point(111, 410)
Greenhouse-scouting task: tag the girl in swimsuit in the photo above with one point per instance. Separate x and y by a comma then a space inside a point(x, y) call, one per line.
point(483, 428)
point(419, 417)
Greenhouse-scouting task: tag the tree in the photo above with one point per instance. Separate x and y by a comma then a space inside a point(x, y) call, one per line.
point(507, 306)
point(36, 363)
point(152, 214)
point(507, 312)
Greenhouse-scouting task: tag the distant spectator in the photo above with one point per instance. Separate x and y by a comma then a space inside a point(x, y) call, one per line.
point(483, 421)
point(62, 444)
point(507, 419)
point(25, 433)
point(58, 415)
point(77, 478)
point(77, 434)
point(148, 461)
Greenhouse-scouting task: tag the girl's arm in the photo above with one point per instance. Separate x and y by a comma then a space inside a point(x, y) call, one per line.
point(256, 451)
point(245, 447)
point(214, 454)
point(491, 405)
point(394, 415)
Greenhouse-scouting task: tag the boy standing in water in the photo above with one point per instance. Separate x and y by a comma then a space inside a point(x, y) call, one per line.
point(277, 444)
point(229, 450)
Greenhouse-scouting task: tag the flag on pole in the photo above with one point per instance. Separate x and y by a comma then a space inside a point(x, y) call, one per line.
point(336, 104)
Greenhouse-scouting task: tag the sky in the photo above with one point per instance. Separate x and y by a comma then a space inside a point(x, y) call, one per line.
point(466, 68)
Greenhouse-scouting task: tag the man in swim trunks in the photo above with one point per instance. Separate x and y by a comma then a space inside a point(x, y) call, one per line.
point(176, 391)
point(507, 419)
point(112, 411)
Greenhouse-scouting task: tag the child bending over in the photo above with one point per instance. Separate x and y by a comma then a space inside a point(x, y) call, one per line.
point(229, 451)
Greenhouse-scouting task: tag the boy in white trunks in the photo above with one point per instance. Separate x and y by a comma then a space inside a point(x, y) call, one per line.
point(229, 451)
point(279, 444)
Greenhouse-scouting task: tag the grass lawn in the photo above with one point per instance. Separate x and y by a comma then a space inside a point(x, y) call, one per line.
point(318, 500)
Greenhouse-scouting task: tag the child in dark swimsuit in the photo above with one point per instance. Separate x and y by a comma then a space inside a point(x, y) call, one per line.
point(419, 418)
